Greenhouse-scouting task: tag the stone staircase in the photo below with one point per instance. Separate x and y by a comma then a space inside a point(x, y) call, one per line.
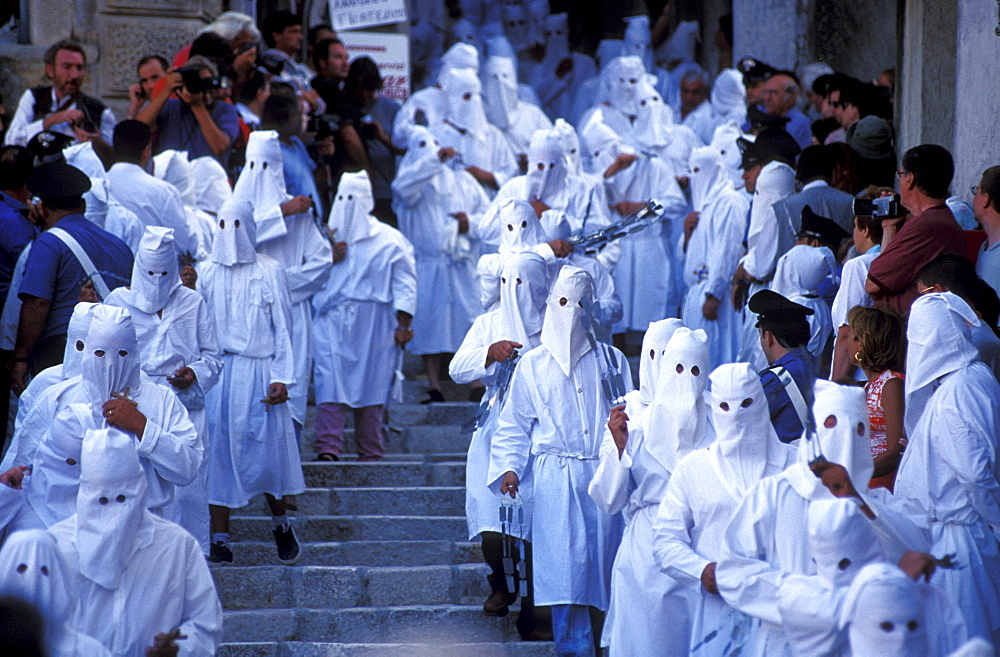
point(386, 570)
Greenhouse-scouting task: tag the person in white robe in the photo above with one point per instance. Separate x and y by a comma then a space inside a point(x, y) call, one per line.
point(622, 86)
point(592, 90)
point(948, 477)
point(510, 331)
point(556, 195)
point(766, 540)
point(888, 614)
point(712, 253)
point(179, 349)
point(552, 422)
point(726, 140)
point(638, 43)
point(287, 234)
point(797, 276)
point(211, 191)
point(361, 321)
point(729, 98)
point(649, 613)
point(843, 543)
point(175, 168)
point(644, 273)
point(438, 208)
point(155, 202)
point(112, 390)
point(479, 147)
point(658, 134)
point(33, 570)
point(429, 105)
point(253, 449)
point(135, 576)
point(704, 491)
point(102, 208)
point(767, 240)
point(516, 119)
point(558, 75)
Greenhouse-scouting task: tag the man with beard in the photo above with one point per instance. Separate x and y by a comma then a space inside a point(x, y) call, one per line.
point(191, 119)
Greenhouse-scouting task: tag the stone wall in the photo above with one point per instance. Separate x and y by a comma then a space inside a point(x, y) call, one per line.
point(857, 38)
point(773, 31)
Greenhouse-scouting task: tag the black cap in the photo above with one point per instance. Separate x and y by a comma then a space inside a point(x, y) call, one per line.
point(771, 144)
point(775, 311)
point(825, 230)
point(755, 71)
point(759, 119)
point(47, 146)
point(57, 180)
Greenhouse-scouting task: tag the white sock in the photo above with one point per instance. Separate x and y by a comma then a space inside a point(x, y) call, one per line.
point(280, 522)
point(221, 537)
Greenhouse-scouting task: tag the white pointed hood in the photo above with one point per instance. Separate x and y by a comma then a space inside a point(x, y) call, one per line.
point(746, 442)
point(570, 142)
point(110, 362)
point(841, 416)
point(884, 614)
point(623, 83)
point(111, 521)
point(676, 423)
point(76, 338)
point(524, 290)
point(601, 145)
point(262, 182)
point(607, 51)
point(654, 119)
point(725, 141)
point(556, 38)
point(459, 56)
point(538, 12)
point(211, 184)
point(729, 97)
point(235, 239)
point(83, 157)
point(463, 90)
point(939, 342)
point(500, 91)
point(567, 331)
point(708, 177)
point(350, 215)
point(520, 229)
point(800, 271)
point(33, 570)
point(842, 541)
point(638, 39)
point(464, 31)
point(654, 342)
point(173, 167)
point(546, 177)
point(421, 161)
point(154, 272)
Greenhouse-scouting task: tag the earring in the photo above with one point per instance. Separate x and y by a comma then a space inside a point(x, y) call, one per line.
point(857, 356)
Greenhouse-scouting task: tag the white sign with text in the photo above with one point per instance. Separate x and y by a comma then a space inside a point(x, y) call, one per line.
point(356, 14)
point(390, 52)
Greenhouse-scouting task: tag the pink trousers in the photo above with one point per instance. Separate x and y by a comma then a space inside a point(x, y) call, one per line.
point(330, 419)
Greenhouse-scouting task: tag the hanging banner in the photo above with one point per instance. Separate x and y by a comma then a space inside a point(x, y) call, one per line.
point(390, 52)
point(356, 14)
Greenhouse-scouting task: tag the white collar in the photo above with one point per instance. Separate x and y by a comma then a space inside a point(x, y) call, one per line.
point(814, 184)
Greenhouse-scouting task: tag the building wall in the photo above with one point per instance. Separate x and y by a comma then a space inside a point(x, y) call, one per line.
point(857, 38)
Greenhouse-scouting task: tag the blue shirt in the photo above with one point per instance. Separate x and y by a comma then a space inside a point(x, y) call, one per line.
point(178, 130)
point(15, 234)
point(53, 273)
point(798, 127)
point(298, 169)
point(802, 367)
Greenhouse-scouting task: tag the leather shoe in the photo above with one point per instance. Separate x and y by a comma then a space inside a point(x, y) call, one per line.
point(498, 604)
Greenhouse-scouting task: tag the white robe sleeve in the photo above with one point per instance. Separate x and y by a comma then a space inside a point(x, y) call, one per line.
point(209, 364)
point(202, 612)
point(672, 545)
point(469, 362)
point(609, 488)
point(270, 223)
point(404, 280)
point(174, 449)
point(108, 122)
point(728, 246)
point(969, 451)
point(312, 273)
point(746, 581)
point(409, 184)
point(175, 216)
point(503, 159)
point(22, 128)
point(511, 445)
point(282, 363)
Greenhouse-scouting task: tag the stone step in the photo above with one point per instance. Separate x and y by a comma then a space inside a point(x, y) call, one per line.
point(390, 501)
point(364, 553)
point(310, 529)
point(416, 391)
point(298, 649)
point(382, 474)
point(324, 587)
point(430, 624)
point(417, 439)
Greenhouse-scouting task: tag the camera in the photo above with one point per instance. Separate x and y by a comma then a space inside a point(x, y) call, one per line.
point(886, 207)
point(193, 81)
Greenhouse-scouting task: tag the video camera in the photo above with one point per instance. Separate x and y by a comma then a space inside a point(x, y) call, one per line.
point(886, 207)
point(193, 81)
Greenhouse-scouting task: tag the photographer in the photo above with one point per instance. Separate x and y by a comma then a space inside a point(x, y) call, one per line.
point(909, 243)
point(194, 121)
point(62, 106)
point(150, 69)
